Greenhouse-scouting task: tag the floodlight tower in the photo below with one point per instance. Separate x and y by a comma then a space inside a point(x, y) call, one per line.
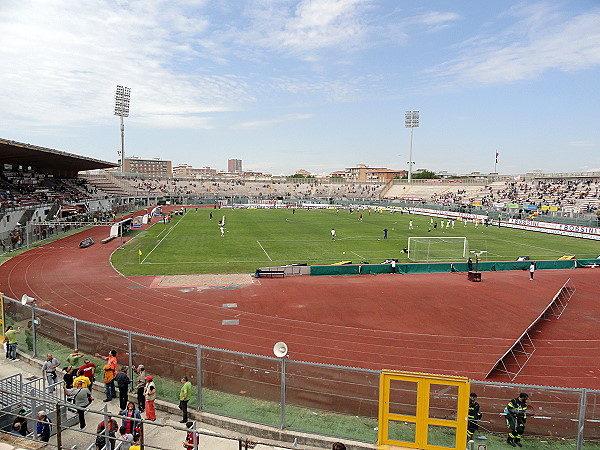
point(122, 110)
point(411, 120)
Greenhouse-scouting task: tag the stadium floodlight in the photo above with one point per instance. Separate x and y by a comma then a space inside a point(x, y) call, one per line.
point(122, 96)
point(411, 120)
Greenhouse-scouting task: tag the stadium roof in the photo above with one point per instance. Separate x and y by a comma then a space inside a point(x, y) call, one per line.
point(48, 160)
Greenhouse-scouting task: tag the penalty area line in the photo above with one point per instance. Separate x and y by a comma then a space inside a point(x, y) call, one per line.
point(360, 256)
point(263, 249)
point(159, 242)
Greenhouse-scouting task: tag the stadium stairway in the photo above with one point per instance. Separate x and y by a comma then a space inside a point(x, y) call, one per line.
point(53, 211)
point(27, 215)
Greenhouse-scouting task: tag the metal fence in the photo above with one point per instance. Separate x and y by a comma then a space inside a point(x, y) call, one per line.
point(330, 400)
point(27, 407)
point(28, 232)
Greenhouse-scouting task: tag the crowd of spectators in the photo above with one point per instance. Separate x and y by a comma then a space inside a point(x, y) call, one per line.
point(250, 188)
point(582, 196)
point(79, 376)
point(29, 189)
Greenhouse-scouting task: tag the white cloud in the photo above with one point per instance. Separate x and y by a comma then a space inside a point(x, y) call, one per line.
point(62, 61)
point(175, 121)
point(580, 144)
point(341, 90)
point(274, 121)
point(311, 25)
point(436, 20)
point(540, 40)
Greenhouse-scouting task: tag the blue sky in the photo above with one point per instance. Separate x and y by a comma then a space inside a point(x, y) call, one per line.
point(308, 84)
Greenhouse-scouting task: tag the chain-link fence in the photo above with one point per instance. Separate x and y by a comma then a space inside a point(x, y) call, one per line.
point(317, 398)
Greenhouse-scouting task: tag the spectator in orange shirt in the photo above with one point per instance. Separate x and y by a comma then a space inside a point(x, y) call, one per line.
point(110, 359)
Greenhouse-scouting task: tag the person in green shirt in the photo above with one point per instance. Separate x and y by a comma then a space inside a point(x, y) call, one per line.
point(74, 358)
point(10, 336)
point(184, 397)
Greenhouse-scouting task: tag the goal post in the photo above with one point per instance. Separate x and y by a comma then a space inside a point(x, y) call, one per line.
point(425, 249)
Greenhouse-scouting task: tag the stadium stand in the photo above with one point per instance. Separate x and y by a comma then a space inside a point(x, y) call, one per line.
point(223, 187)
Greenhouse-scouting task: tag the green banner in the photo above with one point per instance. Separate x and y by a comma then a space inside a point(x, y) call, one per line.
point(483, 266)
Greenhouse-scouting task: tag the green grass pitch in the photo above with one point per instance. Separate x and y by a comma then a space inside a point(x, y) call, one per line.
point(192, 243)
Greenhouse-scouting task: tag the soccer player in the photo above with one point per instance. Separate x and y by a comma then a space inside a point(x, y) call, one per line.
point(333, 234)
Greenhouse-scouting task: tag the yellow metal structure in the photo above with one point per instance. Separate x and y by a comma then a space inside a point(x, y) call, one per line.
point(423, 411)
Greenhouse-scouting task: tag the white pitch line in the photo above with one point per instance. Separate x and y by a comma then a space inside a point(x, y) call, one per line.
point(534, 246)
point(263, 249)
point(362, 257)
point(158, 243)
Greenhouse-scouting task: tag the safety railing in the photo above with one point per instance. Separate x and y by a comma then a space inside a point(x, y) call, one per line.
point(56, 420)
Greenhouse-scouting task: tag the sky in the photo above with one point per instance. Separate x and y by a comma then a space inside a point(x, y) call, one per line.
point(319, 85)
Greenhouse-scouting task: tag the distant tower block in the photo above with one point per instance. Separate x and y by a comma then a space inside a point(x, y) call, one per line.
point(234, 165)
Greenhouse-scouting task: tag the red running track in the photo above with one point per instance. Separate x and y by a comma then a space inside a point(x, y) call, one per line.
point(438, 323)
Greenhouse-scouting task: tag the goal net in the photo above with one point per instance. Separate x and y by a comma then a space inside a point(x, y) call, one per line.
point(426, 249)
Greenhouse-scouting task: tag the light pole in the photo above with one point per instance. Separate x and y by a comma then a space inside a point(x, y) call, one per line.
point(122, 110)
point(411, 120)
point(281, 351)
point(34, 321)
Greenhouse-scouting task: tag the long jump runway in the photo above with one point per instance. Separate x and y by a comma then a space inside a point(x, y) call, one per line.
point(437, 323)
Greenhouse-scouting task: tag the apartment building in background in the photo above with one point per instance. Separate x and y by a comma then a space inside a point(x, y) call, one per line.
point(234, 165)
point(362, 173)
point(187, 171)
point(154, 167)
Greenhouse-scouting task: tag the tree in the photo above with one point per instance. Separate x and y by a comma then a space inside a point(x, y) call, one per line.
point(424, 175)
